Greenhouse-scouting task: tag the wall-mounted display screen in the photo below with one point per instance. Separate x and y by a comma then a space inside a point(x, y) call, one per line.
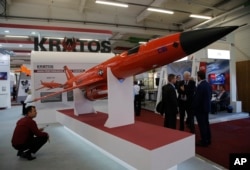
point(217, 78)
point(3, 75)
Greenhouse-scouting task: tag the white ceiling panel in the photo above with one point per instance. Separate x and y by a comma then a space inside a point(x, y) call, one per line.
point(103, 22)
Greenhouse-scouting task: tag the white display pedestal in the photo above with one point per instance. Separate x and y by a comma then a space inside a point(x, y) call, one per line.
point(237, 107)
point(81, 104)
point(136, 156)
point(120, 110)
point(120, 101)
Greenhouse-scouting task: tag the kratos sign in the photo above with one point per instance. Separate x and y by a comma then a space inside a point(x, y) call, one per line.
point(72, 44)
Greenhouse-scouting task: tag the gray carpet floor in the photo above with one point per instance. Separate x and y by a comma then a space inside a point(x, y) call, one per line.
point(66, 151)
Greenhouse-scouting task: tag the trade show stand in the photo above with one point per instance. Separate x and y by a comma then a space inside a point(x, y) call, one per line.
point(5, 95)
point(140, 145)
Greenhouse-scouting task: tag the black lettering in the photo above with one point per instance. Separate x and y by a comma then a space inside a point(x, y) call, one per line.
point(36, 44)
point(54, 43)
point(82, 42)
point(70, 45)
point(90, 46)
point(40, 44)
point(106, 48)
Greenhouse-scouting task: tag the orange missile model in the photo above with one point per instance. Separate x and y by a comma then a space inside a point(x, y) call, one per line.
point(155, 53)
point(25, 70)
point(50, 85)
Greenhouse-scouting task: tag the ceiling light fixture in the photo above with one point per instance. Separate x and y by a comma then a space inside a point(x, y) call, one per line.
point(112, 3)
point(16, 36)
point(142, 42)
point(60, 38)
point(160, 10)
point(7, 31)
point(84, 39)
point(200, 16)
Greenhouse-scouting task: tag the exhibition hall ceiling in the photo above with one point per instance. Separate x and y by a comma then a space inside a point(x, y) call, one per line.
point(123, 27)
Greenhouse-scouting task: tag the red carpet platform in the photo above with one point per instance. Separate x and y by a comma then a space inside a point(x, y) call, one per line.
point(140, 140)
point(143, 134)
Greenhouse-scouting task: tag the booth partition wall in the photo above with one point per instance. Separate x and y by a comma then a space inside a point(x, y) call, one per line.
point(243, 79)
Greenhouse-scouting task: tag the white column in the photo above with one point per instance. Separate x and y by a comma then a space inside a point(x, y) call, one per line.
point(233, 86)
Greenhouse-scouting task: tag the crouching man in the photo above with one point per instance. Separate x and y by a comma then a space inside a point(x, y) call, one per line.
point(27, 139)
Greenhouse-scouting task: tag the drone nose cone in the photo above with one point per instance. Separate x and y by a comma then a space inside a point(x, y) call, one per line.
point(195, 40)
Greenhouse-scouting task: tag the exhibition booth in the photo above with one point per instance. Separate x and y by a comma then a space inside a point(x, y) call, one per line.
point(54, 85)
point(80, 61)
point(216, 60)
point(116, 132)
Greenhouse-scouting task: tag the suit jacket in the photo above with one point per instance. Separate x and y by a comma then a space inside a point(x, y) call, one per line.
point(223, 100)
point(189, 90)
point(169, 99)
point(202, 98)
point(223, 96)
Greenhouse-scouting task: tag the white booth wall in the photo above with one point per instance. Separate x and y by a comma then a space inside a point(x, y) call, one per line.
point(5, 96)
point(74, 60)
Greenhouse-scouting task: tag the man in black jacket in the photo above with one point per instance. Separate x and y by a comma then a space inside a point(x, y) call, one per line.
point(169, 102)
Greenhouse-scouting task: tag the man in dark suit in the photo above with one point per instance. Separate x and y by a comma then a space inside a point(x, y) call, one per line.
point(202, 107)
point(185, 98)
point(169, 102)
point(178, 81)
point(221, 100)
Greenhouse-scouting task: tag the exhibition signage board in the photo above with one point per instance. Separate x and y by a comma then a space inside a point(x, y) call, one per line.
point(54, 73)
point(5, 81)
point(24, 86)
